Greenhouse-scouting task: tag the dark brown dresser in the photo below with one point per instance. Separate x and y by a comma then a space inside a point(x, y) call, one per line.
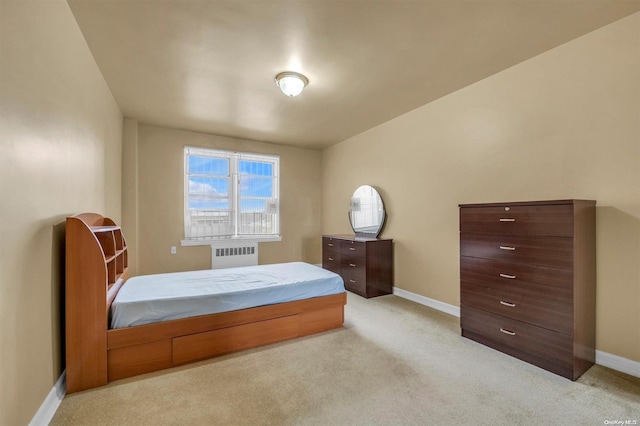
point(527, 281)
point(365, 264)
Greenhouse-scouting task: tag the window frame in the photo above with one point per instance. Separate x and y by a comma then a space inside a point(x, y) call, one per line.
point(234, 197)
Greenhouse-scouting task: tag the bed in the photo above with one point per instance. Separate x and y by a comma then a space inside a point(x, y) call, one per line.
point(118, 327)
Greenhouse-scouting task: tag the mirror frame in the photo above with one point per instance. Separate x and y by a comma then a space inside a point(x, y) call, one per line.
point(378, 230)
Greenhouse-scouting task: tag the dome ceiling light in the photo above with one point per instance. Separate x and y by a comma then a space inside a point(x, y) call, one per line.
point(291, 83)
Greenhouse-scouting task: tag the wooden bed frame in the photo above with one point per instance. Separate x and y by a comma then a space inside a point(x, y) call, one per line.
point(96, 268)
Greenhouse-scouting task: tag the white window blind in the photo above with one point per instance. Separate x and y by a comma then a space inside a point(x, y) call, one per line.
point(230, 194)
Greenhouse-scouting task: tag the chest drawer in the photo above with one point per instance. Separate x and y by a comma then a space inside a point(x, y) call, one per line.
point(531, 280)
point(521, 305)
point(553, 252)
point(549, 220)
point(537, 341)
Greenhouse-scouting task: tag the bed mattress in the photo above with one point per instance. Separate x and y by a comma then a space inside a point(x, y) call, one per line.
point(148, 299)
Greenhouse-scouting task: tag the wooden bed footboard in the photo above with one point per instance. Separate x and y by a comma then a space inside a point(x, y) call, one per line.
point(96, 268)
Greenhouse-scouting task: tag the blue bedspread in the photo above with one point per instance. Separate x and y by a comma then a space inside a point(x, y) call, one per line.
point(161, 297)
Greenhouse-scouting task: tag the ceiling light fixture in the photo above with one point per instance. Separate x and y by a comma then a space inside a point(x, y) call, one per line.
point(291, 83)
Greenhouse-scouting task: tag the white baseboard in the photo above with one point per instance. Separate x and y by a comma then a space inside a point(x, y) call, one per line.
point(618, 363)
point(51, 403)
point(605, 359)
point(432, 303)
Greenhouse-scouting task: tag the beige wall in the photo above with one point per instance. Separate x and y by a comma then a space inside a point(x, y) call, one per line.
point(565, 124)
point(160, 200)
point(60, 133)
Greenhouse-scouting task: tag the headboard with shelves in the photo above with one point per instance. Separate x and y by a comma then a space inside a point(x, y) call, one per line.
point(96, 268)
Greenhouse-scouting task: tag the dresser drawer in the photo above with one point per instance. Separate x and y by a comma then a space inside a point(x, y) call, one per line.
point(353, 265)
point(331, 263)
point(330, 245)
point(533, 281)
point(353, 250)
point(331, 254)
point(522, 305)
point(553, 252)
point(355, 280)
point(537, 341)
point(549, 220)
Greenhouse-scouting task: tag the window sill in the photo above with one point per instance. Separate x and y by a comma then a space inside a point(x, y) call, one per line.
point(222, 241)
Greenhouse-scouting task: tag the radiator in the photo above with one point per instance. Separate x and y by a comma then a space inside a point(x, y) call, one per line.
point(229, 254)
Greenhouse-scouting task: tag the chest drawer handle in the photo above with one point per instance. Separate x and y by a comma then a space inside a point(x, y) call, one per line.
point(507, 248)
point(510, 333)
point(353, 265)
point(511, 305)
point(331, 258)
point(351, 248)
point(506, 219)
point(511, 277)
point(330, 245)
point(352, 281)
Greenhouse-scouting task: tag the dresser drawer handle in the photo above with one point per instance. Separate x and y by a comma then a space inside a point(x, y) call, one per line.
point(511, 277)
point(511, 305)
point(330, 245)
point(507, 248)
point(510, 333)
point(352, 281)
point(353, 265)
point(505, 219)
point(331, 258)
point(351, 248)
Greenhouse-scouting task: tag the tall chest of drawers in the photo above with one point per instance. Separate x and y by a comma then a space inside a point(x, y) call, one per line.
point(527, 281)
point(365, 264)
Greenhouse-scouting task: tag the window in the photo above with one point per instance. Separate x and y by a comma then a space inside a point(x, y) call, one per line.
point(230, 194)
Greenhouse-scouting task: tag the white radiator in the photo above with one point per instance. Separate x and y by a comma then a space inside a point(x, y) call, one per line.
point(229, 254)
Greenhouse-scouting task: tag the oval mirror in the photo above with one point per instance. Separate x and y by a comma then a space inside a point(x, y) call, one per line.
point(367, 213)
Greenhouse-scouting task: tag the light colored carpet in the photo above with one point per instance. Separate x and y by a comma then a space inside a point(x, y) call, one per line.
point(395, 362)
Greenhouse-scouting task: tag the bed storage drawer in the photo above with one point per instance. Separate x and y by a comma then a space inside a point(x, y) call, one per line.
point(233, 339)
point(129, 361)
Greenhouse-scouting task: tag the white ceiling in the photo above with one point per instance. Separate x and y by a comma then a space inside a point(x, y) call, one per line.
point(209, 65)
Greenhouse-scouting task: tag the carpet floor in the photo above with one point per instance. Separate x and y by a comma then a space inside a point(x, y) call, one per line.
point(394, 362)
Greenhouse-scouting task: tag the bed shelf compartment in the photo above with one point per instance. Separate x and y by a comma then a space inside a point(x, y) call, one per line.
point(96, 267)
